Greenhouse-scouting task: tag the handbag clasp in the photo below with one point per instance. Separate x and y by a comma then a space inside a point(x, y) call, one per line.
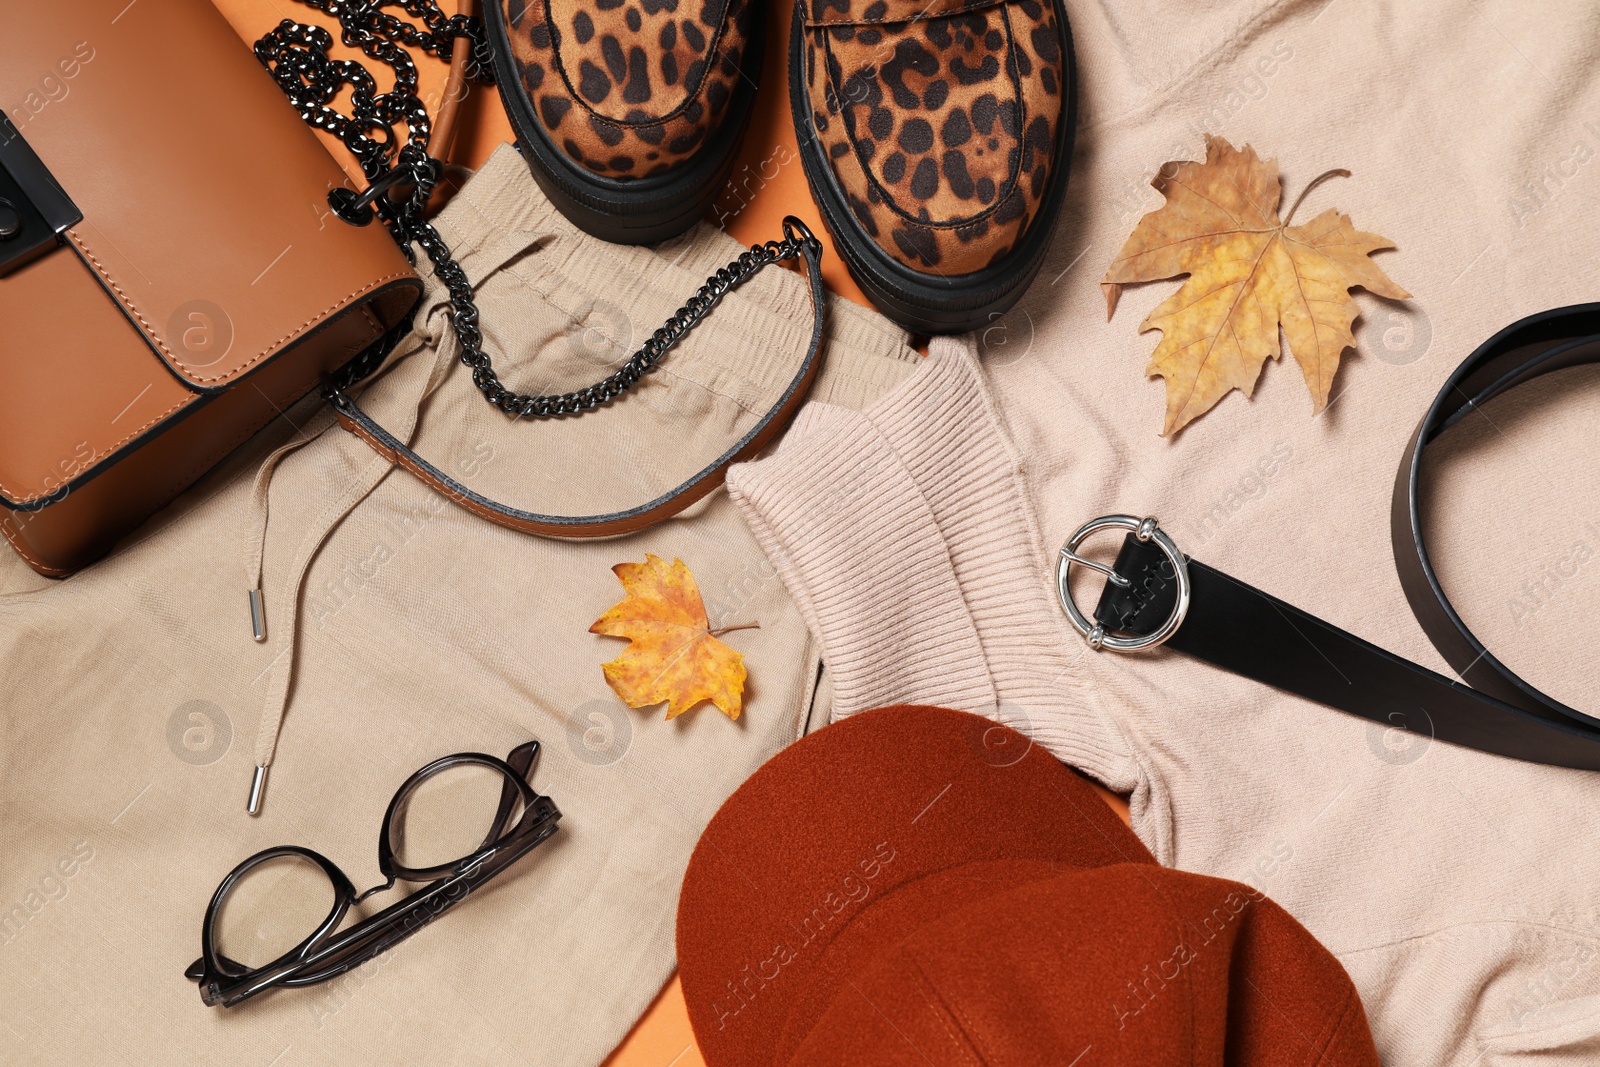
point(34, 210)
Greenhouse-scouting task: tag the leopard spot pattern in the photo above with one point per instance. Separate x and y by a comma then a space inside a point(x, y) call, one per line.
point(630, 88)
point(941, 130)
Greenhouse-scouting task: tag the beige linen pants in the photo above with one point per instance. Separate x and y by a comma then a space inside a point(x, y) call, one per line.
point(399, 629)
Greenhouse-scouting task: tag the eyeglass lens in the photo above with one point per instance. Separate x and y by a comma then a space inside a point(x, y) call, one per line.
point(272, 908)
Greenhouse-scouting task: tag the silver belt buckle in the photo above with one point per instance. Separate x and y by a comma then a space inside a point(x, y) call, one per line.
point(1094, 633)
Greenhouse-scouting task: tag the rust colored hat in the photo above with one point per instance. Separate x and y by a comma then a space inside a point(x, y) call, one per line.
point(923, 887)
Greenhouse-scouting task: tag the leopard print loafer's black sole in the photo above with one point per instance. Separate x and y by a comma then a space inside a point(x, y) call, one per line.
point(922, 302)
point(633, 211)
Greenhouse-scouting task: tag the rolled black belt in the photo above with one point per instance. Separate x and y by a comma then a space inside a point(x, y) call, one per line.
point(1155, 595)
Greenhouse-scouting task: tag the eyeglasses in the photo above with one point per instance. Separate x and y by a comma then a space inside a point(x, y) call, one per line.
point(522, 820)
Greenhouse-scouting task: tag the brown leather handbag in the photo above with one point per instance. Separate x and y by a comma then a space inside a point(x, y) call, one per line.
point(180, 260)
point(171, 274)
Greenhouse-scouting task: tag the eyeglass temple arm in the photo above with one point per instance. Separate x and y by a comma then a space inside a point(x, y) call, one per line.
point(400, 920)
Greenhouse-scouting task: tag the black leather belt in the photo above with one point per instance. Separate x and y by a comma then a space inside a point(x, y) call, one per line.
point(1155, 595)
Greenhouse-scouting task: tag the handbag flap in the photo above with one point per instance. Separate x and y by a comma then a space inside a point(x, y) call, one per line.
point(203, 194)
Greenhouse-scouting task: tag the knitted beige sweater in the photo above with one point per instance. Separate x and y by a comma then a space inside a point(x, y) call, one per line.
point(1460, 890)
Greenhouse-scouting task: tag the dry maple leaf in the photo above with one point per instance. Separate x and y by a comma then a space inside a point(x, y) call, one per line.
point(674, 655)
point(1248, 273)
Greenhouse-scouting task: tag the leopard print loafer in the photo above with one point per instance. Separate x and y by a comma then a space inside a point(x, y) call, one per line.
point(936, 136)
point(629, 112)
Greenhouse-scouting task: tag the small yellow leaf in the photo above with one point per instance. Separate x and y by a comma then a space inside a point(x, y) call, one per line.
point(1248, 274)
point(673, 657)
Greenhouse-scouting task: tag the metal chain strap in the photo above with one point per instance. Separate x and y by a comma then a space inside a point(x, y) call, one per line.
point(402, 176)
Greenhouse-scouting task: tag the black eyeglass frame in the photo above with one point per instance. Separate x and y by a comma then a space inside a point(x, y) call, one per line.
point(325, 954)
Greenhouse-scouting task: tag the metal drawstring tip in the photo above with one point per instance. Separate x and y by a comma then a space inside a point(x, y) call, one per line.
point(257, 784)
point(258, 616)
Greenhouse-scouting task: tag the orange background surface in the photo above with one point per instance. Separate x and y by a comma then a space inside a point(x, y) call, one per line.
point(767, 184)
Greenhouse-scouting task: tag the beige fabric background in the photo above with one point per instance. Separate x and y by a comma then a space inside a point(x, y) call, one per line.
point(1459, 889)
point(134, 691)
